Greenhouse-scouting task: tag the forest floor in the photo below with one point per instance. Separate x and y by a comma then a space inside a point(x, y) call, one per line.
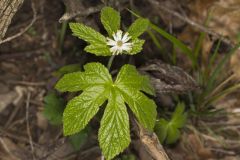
point(28, 66)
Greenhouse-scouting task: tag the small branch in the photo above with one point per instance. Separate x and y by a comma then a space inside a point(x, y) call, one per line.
point(7, 149)
point(150, 142)
point(25, 83)
point(68, 15)
point(25, 29)
point(28, 126)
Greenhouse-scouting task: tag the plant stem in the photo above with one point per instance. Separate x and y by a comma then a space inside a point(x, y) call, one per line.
point(110, 62)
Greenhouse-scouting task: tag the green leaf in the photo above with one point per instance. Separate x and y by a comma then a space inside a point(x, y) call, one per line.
point(128, 157)
point(137, 46)
point(143, 108)
point(67, 69)
point(114, 133)
point(98, 50)
point(219, 68)
point(179, 117)
point(110, 19)
point(87, 34)
point(185, 49)
point(71, 82)
point(98, 45)
point(97, 86)
point(128, 77)
point(168, 131)
point(161, 129)
point(138, 27)
point(95, 74)
point(129, 82)
point(78, 139)
point(81, 109)
point(53, 108)
point(173, 134)
point(147, 87)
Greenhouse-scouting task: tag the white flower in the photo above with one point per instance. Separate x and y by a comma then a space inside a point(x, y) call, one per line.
point(119, 43)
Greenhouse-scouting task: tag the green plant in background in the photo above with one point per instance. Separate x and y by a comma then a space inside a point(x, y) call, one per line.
point(168, 130)
point(53, 109)
point(97, 85)
point(211, 76)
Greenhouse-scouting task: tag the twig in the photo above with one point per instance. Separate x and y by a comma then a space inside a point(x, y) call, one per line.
point(156, 4)
point(15, 137)
point(28, 127)
point(226, 152)
point(150, 142)
point(7, 149)
point(25, 83)
point(25, 29)
point(67, 16)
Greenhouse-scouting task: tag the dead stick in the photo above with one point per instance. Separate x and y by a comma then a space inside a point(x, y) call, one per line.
point(151, 143)
point(28, 126)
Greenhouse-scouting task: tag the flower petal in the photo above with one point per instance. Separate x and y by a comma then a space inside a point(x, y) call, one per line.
point(119, 35)
point(126, 47)
point(126, 37)
point(111, 42)
point(114, 49)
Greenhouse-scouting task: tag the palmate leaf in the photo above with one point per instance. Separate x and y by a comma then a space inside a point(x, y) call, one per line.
point(53, 108)
point(114, 133)
point(137, 46)
point(98, 45)
point(129, 82)
point(99, 50)
point(138, 27)
point(81, 109)
point(168, 131)
point(98, 87)
point(110, 19)
point(87, 33)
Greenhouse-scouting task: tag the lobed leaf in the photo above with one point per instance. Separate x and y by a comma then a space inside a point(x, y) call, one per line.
point(67, 69)
point(143, 108)
point(114, 132)
point(110, 19)
point(98, 50)
point(72, 82)
point(96, 83)
point(137, 46)
point(81, 109)
point(95, 74)
point(128, 77)
point(87, 34)
point(138, 27)
point(168, 131)
point(53, 108)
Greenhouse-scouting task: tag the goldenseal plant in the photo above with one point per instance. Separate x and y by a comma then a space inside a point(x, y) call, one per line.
point(129, 89)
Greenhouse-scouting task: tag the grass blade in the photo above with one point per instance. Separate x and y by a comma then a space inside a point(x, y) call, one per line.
point(175, 41)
